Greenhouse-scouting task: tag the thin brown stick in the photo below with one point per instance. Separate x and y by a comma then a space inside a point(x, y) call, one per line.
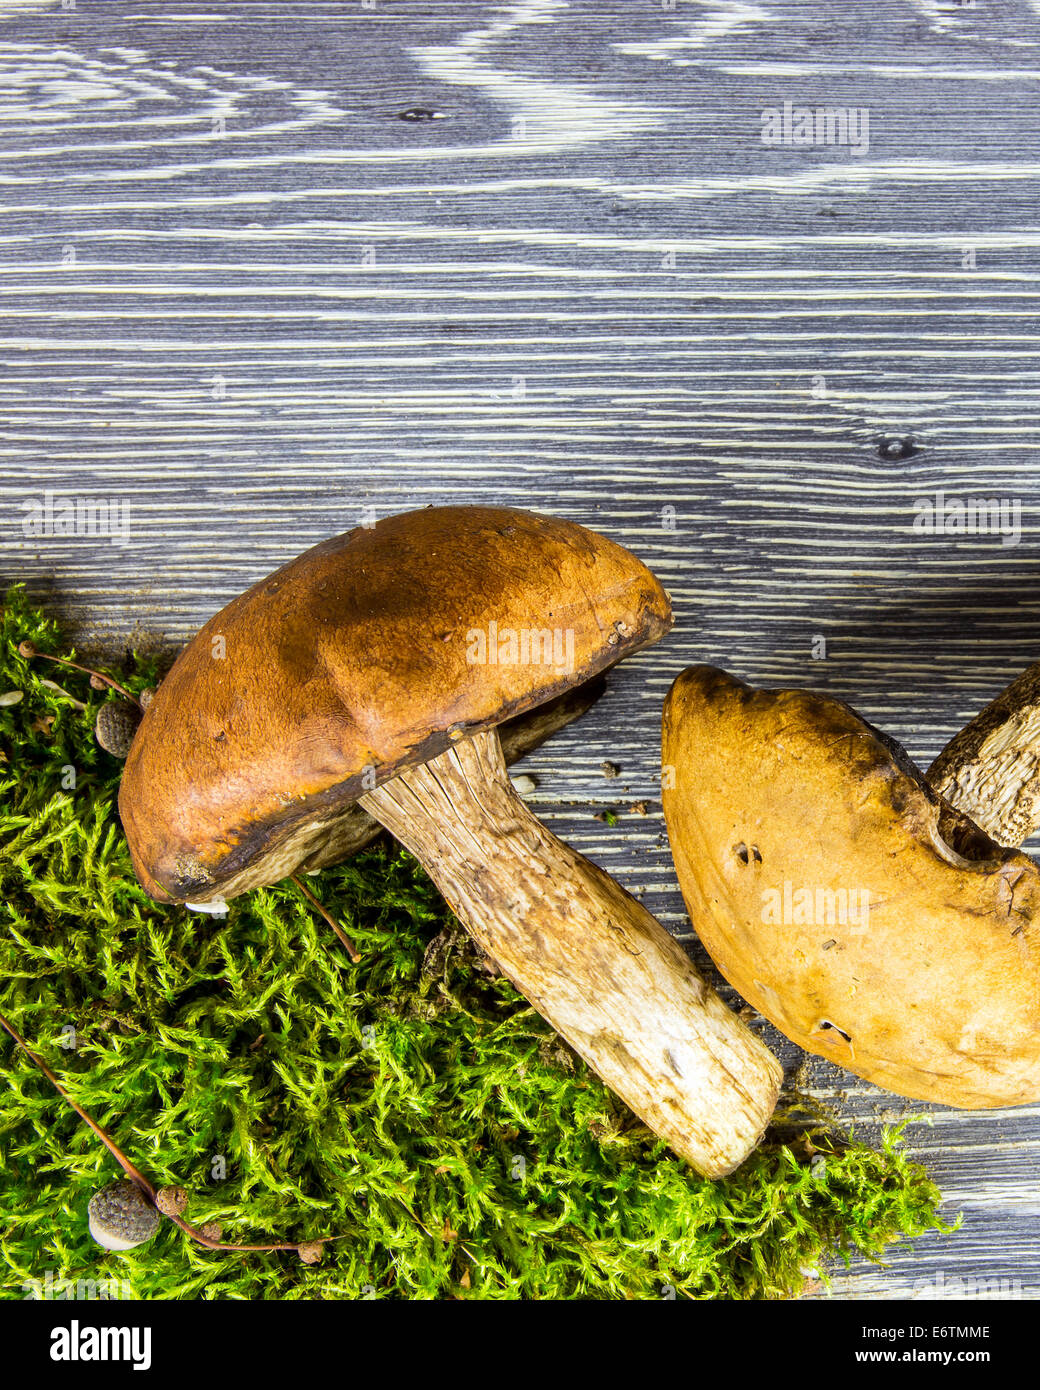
point(128, 1168)
point(352, 950)
point(135, 1174)
point(29, 650)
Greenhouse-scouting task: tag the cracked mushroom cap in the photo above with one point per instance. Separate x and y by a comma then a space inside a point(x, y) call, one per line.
point(368, 654)
point(868, 919)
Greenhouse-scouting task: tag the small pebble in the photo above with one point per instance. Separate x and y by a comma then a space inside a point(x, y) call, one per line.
point(115, 726)
point(524, 784)
point(11, 697)
point(120, 1216)
point(609, 769)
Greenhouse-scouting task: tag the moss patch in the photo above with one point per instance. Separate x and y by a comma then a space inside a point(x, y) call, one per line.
point(410, 1103)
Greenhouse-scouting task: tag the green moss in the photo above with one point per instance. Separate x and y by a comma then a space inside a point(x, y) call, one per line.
point(409, 1103)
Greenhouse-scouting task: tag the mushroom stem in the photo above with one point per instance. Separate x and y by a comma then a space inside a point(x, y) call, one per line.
point(991, 770)
point(521, 735)
point(593, 962)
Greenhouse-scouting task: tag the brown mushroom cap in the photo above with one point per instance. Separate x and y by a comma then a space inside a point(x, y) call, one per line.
point(929, 982)
point(353, 662)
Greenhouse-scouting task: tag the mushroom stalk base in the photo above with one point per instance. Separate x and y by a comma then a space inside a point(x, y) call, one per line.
point(590, 959)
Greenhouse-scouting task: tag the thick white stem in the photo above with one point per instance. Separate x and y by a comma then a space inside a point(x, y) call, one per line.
point(991, 769)
point(591, 959)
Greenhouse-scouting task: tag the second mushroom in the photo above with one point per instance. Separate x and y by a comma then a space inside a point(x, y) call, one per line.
point(853, 900)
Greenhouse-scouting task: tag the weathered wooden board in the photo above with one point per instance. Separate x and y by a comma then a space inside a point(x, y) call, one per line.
point(264, 267)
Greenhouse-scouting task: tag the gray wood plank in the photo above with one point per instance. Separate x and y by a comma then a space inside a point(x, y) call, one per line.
point(245, 298)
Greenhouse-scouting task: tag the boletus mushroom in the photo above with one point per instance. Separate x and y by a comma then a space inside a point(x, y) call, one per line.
point(375, 670)
point(852, 901)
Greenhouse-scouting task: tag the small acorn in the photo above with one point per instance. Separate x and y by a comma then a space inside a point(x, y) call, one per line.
point(115, 726)
point(120, 1216)
point(171, 1201)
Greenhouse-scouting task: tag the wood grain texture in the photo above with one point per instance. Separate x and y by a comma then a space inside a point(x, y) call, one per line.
point(265, 267)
